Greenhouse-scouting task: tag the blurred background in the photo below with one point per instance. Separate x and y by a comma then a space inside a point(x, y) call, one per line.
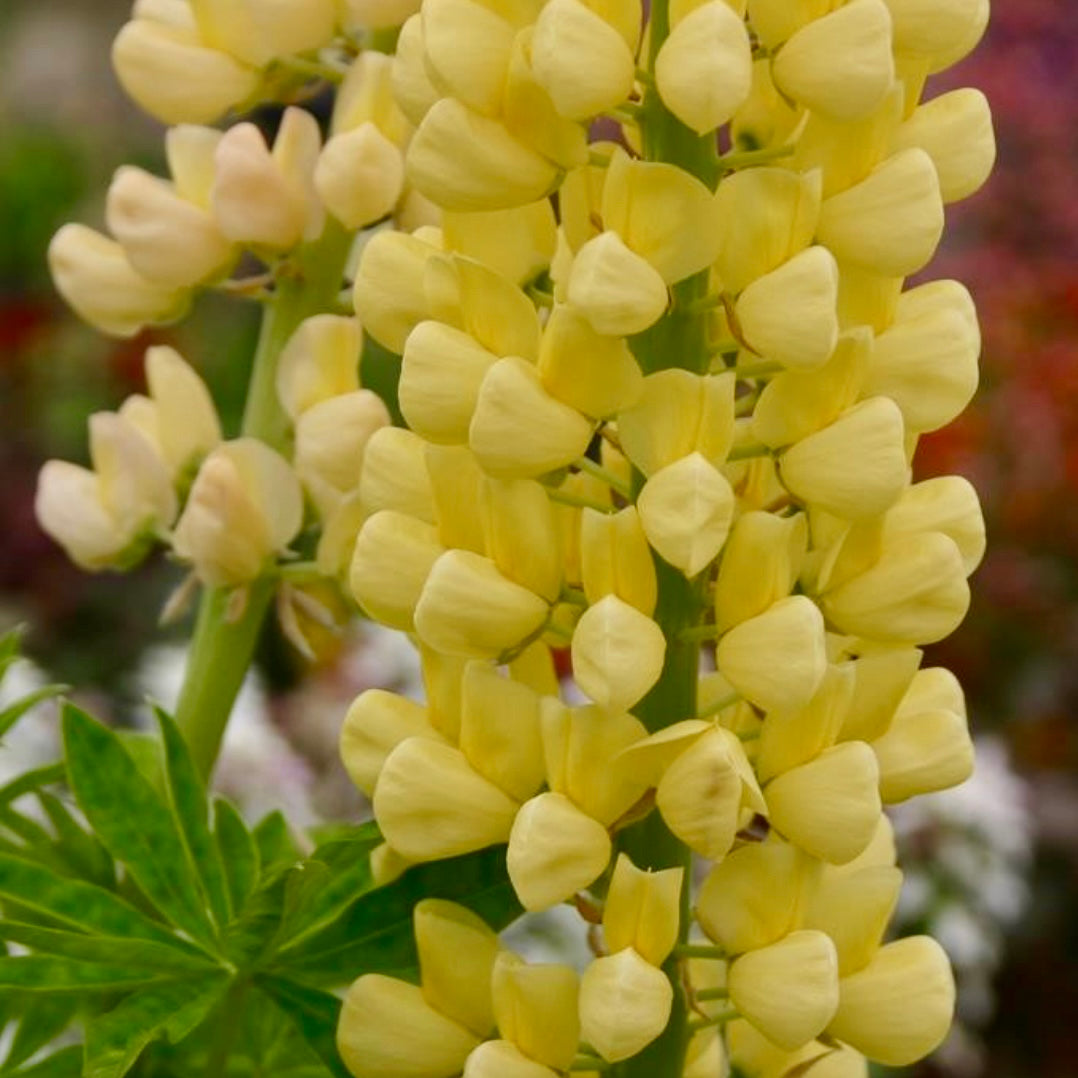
point(992, 867)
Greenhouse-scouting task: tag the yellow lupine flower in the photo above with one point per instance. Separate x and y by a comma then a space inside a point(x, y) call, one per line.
point(375, 723)
point(95, 277)
point(443, 677)
point(536, 1008)
point(757, 1057)
point(647, 759)
point(840, 64)
point(947, 504)
point(186, 426)
point(753, 896)
point(257, 32)
point(517, 243)
point(366, 96)
point(890, 222)
point(431, 803)
point(776, 659)
point(359, 176)
point(518, 429)
point(686, 510)
point(924, 27)
point(521, 533)
point(703, 69)
point(455, 478)
point(555, 850)
point(394, 474)
point(853, 908)
point(766, 118)
point(468, 608)
point(760, 565)
point(615, 559)
point(595, 374)
point(775, 21)
point(899, 1007)
point(854, 468)
point(376, 14)
point(319, 361)
point(412, 88)
point(625, 1004)
point(618, 653)
point(788, 990)
point(581, 60)
point(499, 730)
point(394, 554)
point(502, 1059)
point(456, 952)
point(789, 315)
point(881, 679)
point(388, 1030)
point(642, 910)
point(829, 806)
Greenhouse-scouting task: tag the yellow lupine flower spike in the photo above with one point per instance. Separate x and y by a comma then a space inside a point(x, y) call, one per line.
point(642, 910)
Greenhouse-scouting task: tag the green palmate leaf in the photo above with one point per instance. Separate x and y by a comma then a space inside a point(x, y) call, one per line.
point(133, 823)
point(79, 905)
point(42, 1018)
point(13, 712)
point(67, 1063)
point(238, 852)
point(48, 973)
point(188, 798)
point(374, 933)
point(104, 950)
point(313, 1013)
point(276, 850)
point(87, 857)
point(171, 1009)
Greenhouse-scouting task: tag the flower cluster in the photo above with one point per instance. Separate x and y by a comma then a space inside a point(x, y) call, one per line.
point(657, 396)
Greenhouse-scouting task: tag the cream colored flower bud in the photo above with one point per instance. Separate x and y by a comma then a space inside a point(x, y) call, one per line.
point(462, 160)
point(927, 360)
point(581, 748)
point(320, 361)
point(395, 474)
point(374, 725)
point(841, 64)
point(752, 897)
point(359, 176)
point(830, 806)
point(789, 314)
point(624, 1004)
point(686, 509)
point(788, 990)
point(767, 215)
point(615, 559)
point(502, 1059)
point(890, 222)
point(617, 653)
point(776, 659)
point(469, 608)
point(521, 534)
point(457, 951)
point(555, 850)
point(580, 60)
point(899, 1007)
point(169, 72)
point(388, 294)
point(923, 751)
point(760, 565)
point(955, 130)
point(187, 424)
point(331, 438)
point(536, 1008)
point(615, 289)
point(679, 413)
point(853, 908)
point(947, 504)
point(788, 739)
point(854, 468)
point(244, 507)
point(499, 730)
point(518, 430)
point(256, 32)
point(922, 26)
point(431, 804)
point(393, 557)
point(441, 373)
point(702, 793)
point(704, 68)
point(266, 198)
point(388, 1030)
point(467, 46)
point(642, 910)
point(166, 238)
point(94, 276)
point(595, 374)
point(881, 679)
point(915, 594)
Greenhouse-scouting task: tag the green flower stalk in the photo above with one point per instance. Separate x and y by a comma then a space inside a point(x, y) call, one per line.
point(661, 403)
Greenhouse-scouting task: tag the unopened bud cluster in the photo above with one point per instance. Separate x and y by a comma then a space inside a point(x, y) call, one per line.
point(556, 474)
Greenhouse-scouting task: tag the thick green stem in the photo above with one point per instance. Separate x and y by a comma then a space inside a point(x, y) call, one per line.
point(222, 649)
